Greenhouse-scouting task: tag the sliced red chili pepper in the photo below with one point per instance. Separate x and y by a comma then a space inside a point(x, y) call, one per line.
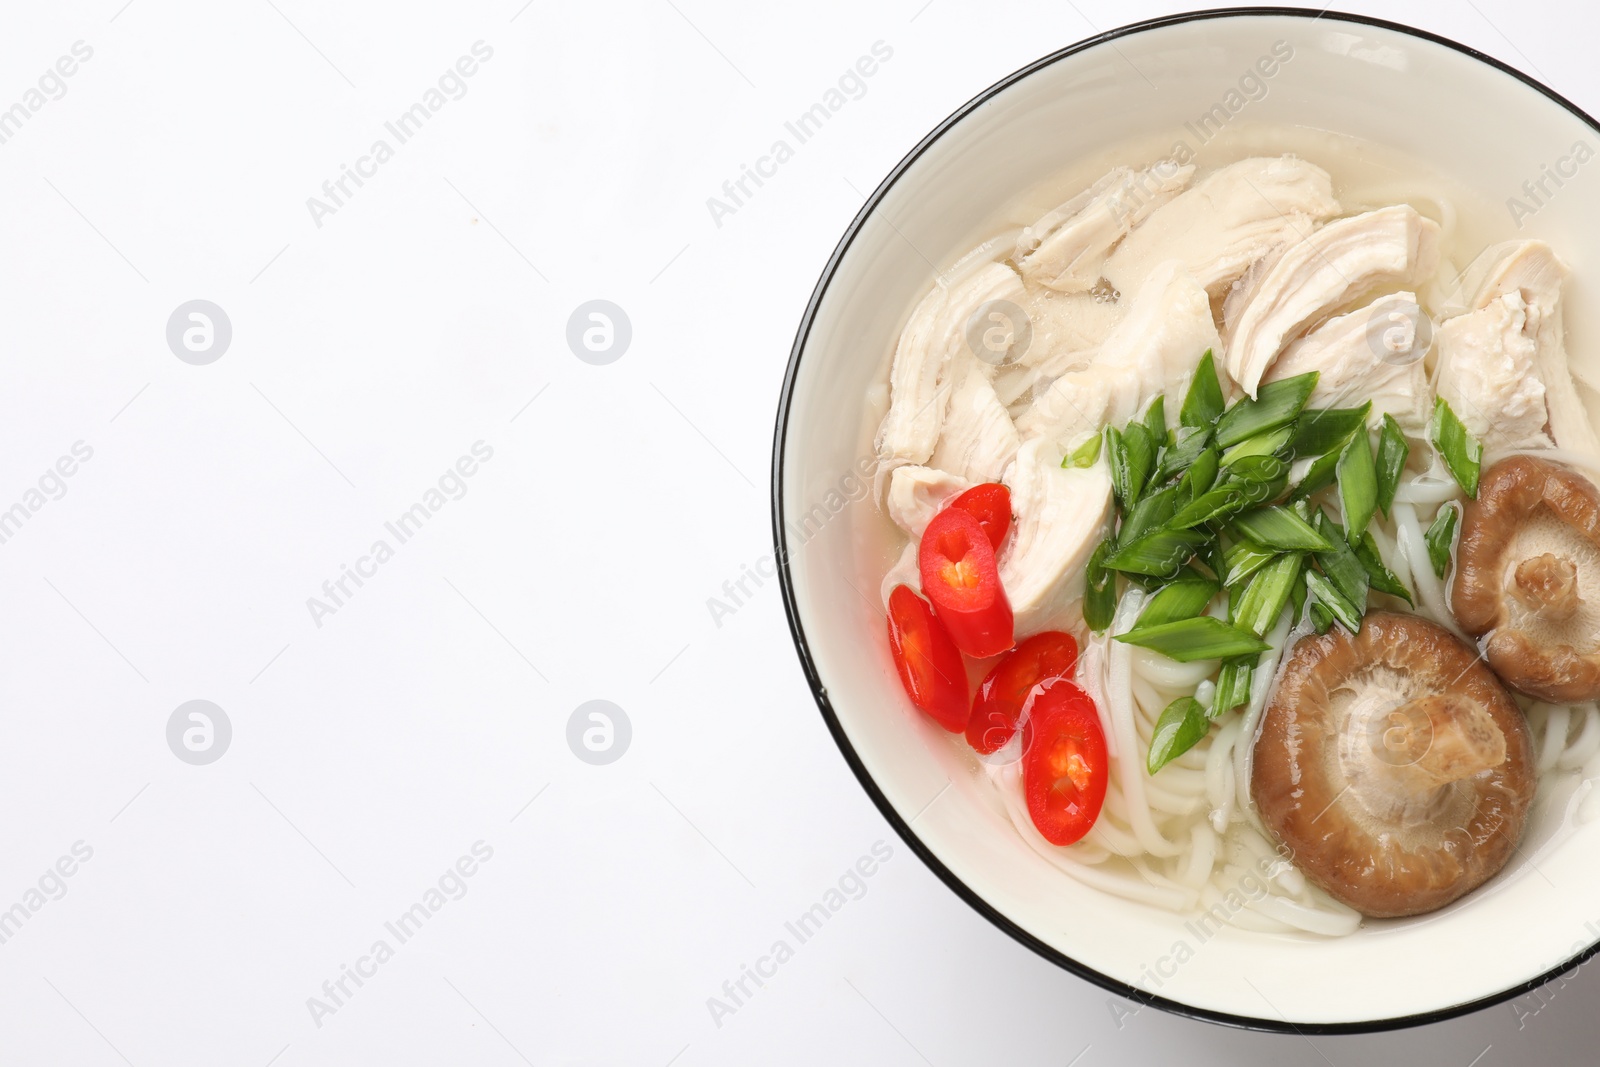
point(1041, 660)
point(961, 579)
point(990, 504)
point(1065, 768)
point(930, 666)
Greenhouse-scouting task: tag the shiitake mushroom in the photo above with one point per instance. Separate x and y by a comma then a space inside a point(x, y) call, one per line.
point(1527, 578)
point(1393, 765)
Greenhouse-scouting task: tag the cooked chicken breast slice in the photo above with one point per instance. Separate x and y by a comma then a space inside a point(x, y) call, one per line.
point(1317, 275)
point(1532, 270)
point(1167, 329)
point(916, 495)
point(978, 438)
point(1231, 218)
point(1061, 515)
point(1067, 248)
point(1488, 374)
point(1374, 353)
point(923, 373)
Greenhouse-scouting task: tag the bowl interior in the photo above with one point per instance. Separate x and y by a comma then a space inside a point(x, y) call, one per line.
point(1486, 133)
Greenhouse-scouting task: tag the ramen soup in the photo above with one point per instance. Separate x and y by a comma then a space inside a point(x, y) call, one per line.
point(1244, 532)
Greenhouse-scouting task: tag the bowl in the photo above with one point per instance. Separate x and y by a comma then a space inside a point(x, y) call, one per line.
point(1511, 142)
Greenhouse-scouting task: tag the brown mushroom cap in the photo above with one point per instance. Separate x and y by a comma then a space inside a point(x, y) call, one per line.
point(1393, 765)
point(1528, 576)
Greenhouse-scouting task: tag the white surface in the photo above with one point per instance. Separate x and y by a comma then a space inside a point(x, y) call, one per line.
point(407, 727)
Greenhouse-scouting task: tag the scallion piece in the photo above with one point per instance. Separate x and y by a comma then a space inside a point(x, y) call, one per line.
point(1441, 537)
point(1184, 598)
point(1328, 596)
point(1262, 444)
point(1215, 504)
point(1358, 484)
point(1085, 454)
point(1194, 639)
point(1462, 453)
point(1323, 430)
point(1318, 476)
point(1242, 560)
point(1153, 511)
point(1280, 528)
point(1201, 475)
point(1203, 405)
point(1392, 452)
point(1379, 576)
point(1233, 684)
point(1257, 608)
point(1133, 455)
point(1276, 404)
point(1100, 589)
point(1180, 728)
point(1262, 470)
point(1158, 554)
point(1341, 566)
point(1183, 454)
point(1155, 419)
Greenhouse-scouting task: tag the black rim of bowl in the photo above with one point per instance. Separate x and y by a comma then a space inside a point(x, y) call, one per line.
point(786, 581)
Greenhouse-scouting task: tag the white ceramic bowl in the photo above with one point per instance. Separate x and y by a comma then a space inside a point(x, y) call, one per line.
point(1464, 115)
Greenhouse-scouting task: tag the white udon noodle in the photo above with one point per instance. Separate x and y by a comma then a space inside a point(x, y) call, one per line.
point(1188, 839)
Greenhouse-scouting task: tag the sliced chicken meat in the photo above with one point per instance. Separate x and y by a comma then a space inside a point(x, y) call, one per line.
point(1488, 374)
point(1505, 363)
point(1229, 220)
point(978, 438)
point(1061, 515)
point(916, 494)
point(1316, 276)
point(1067, 248)
point(1154, 349)
point(1374, 353)
point(924, 371)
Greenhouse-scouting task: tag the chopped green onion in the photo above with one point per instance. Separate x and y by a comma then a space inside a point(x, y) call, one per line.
point(1461, 452)
point(1280, 528)
point(1155, 419)
point(1392, 452)
point(1203, 405)
point(1379, 576)
point(1262, 444)
point(1242, 560)
point(1100, 589)
point(1085, 454)
point(1318, 476)
point(1328, 597)
point(1218, 503)
point(1158, 554)
point(1133, 454)
point(1181, 599)
point(1183, 454)
point(1358, 484)
point(1233, 683)
point(1258, 607)
point(1262, 470)
point(1178, 730)
point(1201, 475)
point(1323, 430)
point(1276, 404)
point(1321, 618)
point(1441, 537)
point(1341, 566)
point(1154, 510)
point(1194, 639)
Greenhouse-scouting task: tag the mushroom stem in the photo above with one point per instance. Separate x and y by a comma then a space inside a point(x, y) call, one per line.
point(1548, 584)
point(1441, 738)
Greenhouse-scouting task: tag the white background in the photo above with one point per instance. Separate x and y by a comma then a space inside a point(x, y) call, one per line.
point(371, 752)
